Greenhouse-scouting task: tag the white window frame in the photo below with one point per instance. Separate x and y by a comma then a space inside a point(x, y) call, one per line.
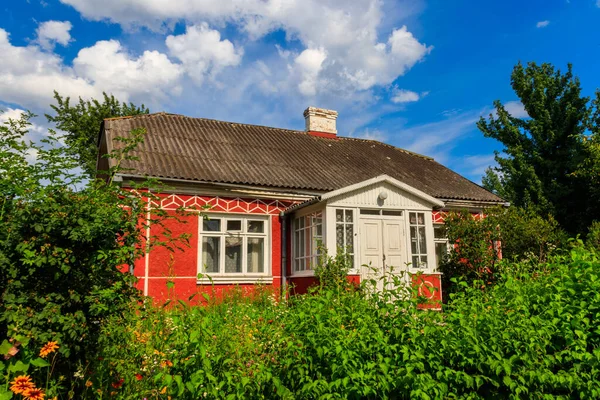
point(235, 277)
point(437, 241)
point(304, 264)
point(355, 215)
point(428, 228)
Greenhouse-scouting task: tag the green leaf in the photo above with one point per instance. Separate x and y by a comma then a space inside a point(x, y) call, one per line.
point(5, 347)
point(39, 362)
point(19, 366)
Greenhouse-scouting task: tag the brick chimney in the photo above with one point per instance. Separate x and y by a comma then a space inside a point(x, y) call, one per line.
point(321, 122)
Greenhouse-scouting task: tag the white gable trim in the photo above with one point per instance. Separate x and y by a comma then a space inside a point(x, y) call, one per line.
point(379, 179)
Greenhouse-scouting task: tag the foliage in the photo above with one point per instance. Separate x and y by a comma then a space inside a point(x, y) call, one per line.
point(533, 335)
point(65, 243)
point(515, 233)
point(332, 272)
point(61, 248)
point(81, 123)
point(30, 373)
point(593, 237)
point(545, 152)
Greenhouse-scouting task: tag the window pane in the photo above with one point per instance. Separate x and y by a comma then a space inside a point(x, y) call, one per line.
point(369, 212)
point(307, 243)
point(339, 236)
point(423, 262)
point(439, 232)
point(392, 212)
point(440, 251)
point(210, 253)
point(348, 215)
point(235, 225)
point(349, 239)
point(256, 254)
point(256, 226)
point(421, 218)
point(301, 251)
point(297, 248)
point(422, 241)
point(211, 225)
point(413, 240)
point(339, 215)
point(415, 261)
point(412, 218)
point(319, 229)
point(233, 254)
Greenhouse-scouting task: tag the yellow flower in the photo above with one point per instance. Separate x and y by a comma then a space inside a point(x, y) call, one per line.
point(48, 348)
point(21, 383)
point(34, 394)
point(164, 390)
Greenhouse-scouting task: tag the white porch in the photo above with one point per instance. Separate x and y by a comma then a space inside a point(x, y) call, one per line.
point(382, 223)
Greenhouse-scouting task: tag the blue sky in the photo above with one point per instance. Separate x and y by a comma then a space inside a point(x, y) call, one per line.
point(416, 74)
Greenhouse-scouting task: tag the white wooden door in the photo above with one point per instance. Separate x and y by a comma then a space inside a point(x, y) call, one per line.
point(382, 248)
point(371, 255)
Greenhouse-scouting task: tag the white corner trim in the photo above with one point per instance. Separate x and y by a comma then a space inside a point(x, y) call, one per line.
point(391, 181)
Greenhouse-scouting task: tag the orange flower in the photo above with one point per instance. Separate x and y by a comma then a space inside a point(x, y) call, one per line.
point(48, 348)
point(88, 383)
point(21, 384)
point(34, 394)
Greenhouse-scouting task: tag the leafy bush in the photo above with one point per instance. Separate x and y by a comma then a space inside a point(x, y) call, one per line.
point(514, 233)
point(532, 335)
point(593, 236)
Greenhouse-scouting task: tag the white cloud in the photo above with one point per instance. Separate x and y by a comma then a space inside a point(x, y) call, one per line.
point(516, 109)
point(28, 75)
point(598, 3)
point(109, 67)
point(309, 64)
point(348, 33)
point(202, 52)
point(372, 134)
point(405, 96)
point(51, 32)
point(475, 165)
point(543, 24)
point(437, 138)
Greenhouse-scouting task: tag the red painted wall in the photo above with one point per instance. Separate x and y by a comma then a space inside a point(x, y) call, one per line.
point(179, 264)
point(429, 287)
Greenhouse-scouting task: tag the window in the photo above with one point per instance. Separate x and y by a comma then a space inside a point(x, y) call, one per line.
point(441, 243)
point(392, 213)
point(234, 245)
point(418, 239)
point(308, 235)
point(344, 232)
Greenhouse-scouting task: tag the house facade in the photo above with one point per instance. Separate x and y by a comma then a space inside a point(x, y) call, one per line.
point(265, 202)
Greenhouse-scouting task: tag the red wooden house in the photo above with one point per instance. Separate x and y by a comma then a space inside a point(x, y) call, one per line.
point(274, 194)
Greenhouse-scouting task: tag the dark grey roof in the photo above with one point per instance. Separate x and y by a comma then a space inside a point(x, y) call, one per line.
point(199, 149)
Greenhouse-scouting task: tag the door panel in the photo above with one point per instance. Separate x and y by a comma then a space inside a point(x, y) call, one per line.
point(382, 248)
point(371, 259)
point(393, 247)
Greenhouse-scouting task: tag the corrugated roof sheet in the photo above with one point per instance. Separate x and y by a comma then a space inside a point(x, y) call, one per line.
point(199, 149)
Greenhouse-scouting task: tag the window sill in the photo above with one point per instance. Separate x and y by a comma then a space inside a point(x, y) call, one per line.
point(302, 274)
point(235, 280)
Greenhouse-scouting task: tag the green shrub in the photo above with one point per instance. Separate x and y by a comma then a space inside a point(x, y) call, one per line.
point(593, 237)
point(532, 335)
point(515, 233)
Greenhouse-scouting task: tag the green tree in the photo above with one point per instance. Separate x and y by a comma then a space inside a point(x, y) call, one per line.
point(543, 152)
point(81, 123)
